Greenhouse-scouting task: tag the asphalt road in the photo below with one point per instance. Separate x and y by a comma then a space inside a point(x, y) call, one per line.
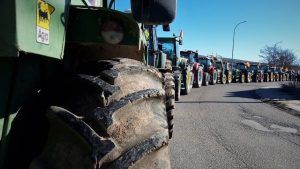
point(226, 126)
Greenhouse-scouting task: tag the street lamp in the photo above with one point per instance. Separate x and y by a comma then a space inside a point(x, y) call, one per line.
point(233, 42)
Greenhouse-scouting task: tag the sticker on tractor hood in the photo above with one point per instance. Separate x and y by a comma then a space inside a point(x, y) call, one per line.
point(43, 15)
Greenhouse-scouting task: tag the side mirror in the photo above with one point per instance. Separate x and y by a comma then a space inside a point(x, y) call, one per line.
point(166, 28)
point(160, 47)
point(154, 12)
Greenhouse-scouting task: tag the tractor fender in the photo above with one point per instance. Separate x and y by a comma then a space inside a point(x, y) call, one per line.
point(195, 67)
point(211, 70)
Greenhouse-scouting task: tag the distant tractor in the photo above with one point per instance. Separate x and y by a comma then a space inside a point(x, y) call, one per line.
point(183, 74)
point(281, 74)
point(224, 72)
point(210, 74)
point(286, 74)
point(258, 74)
point(242, 73)
point(268, 74)
point(291, 74)
point(169, 46)
point(275, 73)
point(197, 69)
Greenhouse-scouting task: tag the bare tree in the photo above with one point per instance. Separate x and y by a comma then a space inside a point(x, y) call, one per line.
point(276, 56)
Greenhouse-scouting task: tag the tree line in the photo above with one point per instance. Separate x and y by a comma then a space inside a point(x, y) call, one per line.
point(277, 56)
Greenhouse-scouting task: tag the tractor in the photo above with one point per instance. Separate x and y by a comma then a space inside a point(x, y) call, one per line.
point(183, 74)
point(275, 73)
point(281, 74)
point(76, 90)
point(258, 74)
point(197, 69)
point(224, 72)
point(268, 74)
point(285, 74)
point(242, 73)
point(291, 74)
point(210, 74)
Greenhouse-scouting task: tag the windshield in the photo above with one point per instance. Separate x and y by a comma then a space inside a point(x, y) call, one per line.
point(240, 66)
point(168, 49)
point(189, 56)
point(205, 62)
point(219, 65)
point(254, 67)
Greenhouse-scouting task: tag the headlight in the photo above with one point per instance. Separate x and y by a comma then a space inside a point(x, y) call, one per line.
point(112, 32)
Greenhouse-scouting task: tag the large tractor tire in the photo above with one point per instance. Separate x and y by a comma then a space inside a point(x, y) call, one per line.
point(256, 77)
point(242, 78)
point(261, 77)
point(198, 78)
point(169, 85)
point(271, 77)
point(248, 77)
point(110, 115)
point(266, 78)
point(228, 78)
point(223, 78)
point(177, 79)
point(188, 80)
point(214, 77)
point(234, 79)
point(205, 79)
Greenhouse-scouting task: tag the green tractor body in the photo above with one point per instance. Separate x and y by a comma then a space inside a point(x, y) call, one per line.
point(258, 74)
point(243, 73)
point(281, 74)
point(291, 74)
point(224, 72)
point(268, 74)
point(170, 46)
point(275, 73)
point(285, 74)
point(76, 55)
point(155, 56)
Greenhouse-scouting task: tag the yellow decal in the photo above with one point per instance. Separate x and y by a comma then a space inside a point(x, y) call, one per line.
point(44, 11)
point(43, 16)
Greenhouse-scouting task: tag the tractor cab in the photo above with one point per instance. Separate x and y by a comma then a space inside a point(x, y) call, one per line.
point(266, 68)
point(274, 69)
point(206, 62)
point(170, 46)
point(191, 56)
point(219, 64)
point(279, 69)
point(254, 67)
point(241, 66)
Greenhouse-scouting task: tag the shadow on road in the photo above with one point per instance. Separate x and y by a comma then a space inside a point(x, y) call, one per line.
point(243, 94)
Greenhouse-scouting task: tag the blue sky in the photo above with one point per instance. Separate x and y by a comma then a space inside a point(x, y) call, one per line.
point(208, 25)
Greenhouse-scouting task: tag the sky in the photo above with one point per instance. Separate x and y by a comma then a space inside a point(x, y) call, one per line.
point(208, 26)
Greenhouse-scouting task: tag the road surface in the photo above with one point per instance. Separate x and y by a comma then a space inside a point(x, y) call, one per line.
point(227, 126)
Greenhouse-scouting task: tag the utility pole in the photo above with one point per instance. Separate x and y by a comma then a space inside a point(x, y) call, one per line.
point(233, 42)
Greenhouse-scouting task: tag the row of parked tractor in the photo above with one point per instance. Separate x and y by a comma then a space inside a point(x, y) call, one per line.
point(193, 70)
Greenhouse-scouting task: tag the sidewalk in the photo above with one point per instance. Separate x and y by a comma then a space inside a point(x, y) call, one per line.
point(283, 100)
